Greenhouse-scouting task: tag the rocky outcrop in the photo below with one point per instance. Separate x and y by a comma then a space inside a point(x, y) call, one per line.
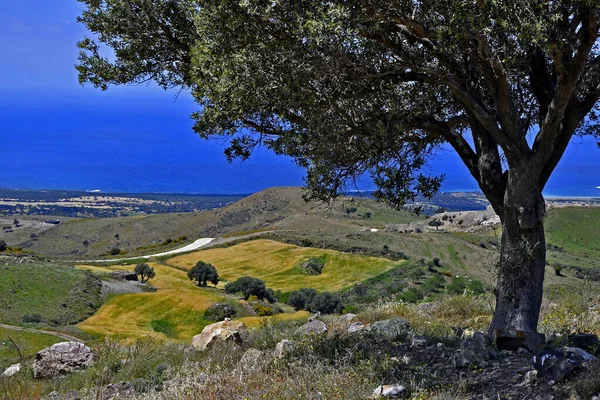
point(12, 370)
point(391, 329)
point(225, 331)
point(314, 327)
point(62, 358)
point(252, 360)
point(355, 327)
point(474, 351)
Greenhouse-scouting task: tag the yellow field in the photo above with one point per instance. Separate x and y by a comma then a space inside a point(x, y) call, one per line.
point(178, 301)
point(277, 264)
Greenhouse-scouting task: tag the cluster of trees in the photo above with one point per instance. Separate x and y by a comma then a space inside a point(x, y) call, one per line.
point(248, 286)
point(309, 299)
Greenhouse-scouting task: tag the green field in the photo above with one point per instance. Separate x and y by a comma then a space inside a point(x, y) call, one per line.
point(44, 293)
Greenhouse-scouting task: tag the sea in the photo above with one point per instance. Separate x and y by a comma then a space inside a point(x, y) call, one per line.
point(117, 142)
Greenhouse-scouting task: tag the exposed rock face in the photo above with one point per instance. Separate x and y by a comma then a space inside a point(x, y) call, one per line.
point(509, 339)
point(62, 358)
point(284, 347)
point(314, 327)
point(390, 392)
point(554, 365)
point(224, 331)
point(391, 329)
point(12, 370)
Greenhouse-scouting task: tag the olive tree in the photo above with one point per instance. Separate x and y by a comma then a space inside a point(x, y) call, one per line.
point(375, 87)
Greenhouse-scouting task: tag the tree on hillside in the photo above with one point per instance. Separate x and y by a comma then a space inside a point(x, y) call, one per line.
point(145, 272)
point(203, 272)
point(355, 87)
point(249, 286)
point(3, 246)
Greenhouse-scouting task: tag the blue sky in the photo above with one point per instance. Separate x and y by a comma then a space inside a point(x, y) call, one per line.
point(130, 134)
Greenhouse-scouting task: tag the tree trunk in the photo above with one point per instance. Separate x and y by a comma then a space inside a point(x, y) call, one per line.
point(522, 256)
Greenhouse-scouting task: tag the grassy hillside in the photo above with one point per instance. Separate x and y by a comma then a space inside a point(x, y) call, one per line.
point(574, 236)
point(278, 264)
point(271, 209)
point(33, 291)
point(28, 343)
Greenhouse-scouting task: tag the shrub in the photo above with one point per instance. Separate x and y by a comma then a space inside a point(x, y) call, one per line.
point(416, 274)
point(3, 245)
point(313, 266)
point(220, 311)
point(476, 287)
point(558, 269)
point(306, 243)
point(249, 286)
point(301, 299)
point(326, 303)
point(433, 283)
point(436, 261)
point(114, 251)
point(203, 272)
point(32, 318)
point(412, 295)
point(457, 285)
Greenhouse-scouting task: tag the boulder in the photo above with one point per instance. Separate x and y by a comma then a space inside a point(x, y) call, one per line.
point(12, 370)
point(253, 359)
point(347, 318)
point(391, 329)
point(587, 342)
point(390, 392)
point(474, 351)
point(224, 331)
point(314, 327)
point(284, 347)
point(62, 358)
point(511, 339)
point(554, 365)
point(355, 327)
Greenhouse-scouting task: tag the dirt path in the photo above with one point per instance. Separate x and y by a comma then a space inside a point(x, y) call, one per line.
point(31, 330)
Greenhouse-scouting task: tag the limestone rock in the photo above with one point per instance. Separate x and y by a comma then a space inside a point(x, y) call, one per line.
point(284, 347)
point(224, 331)
point(12, 370)
point(355, 327)
point(511, 339)
point(314, 327)
point(474, 351)
point(61, 358)
point(390, 392)
point(391, 329)
point(554, 365)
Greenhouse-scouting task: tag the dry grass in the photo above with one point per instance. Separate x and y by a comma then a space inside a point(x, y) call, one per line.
point(278, 265)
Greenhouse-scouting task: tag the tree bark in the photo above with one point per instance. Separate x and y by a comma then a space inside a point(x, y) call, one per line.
point(522, 255)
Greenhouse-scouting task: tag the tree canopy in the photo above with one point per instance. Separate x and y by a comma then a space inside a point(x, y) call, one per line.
point(145, 272)
point(372, 86)
point(203, 272)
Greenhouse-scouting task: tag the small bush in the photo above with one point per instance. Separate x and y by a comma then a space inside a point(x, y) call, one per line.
point(457, 285)
point(412, 295)
point(326, 303)
point(476, 287)
point(32, 318)
point(314, 266)
point(114, 251)
point(306, 243)
point(220, 311)
point(436, 261)
point(301, 299)
point(3, 245)
point(558, 269)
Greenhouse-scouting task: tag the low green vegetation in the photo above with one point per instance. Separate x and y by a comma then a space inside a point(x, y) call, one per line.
point(17, 344)
point(37, 292)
